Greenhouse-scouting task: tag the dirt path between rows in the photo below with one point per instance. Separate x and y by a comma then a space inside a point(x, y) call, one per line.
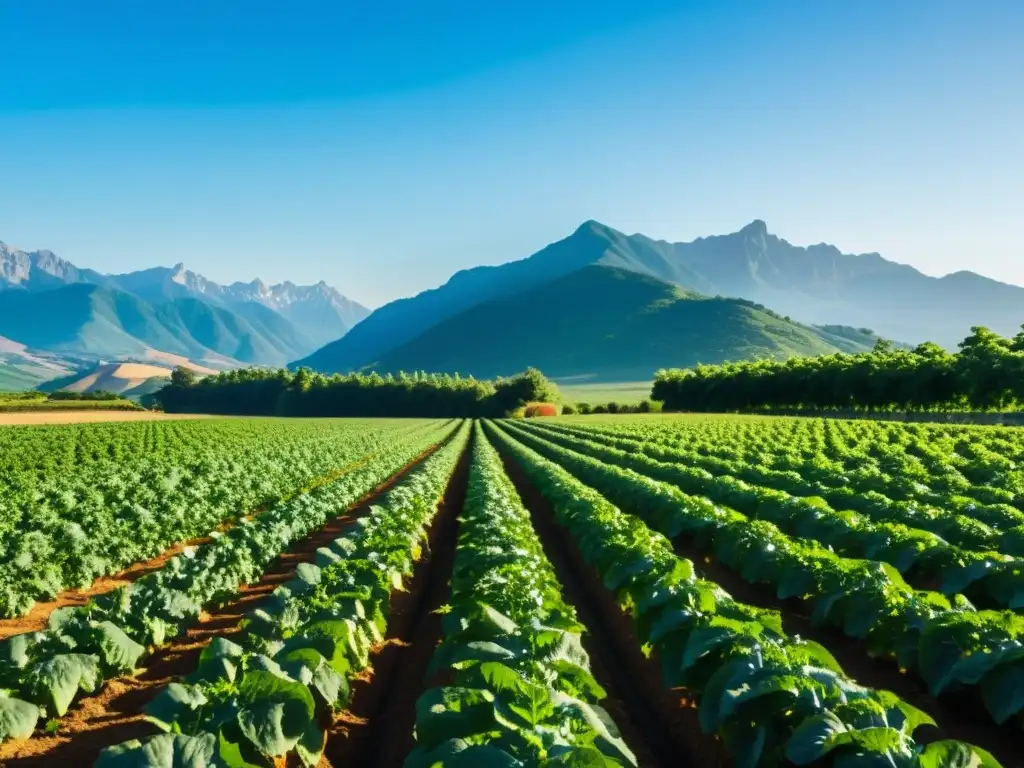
point(658, 724)
point(36, 619)
point(23, 418)
point(115, 714)
point(377, 729)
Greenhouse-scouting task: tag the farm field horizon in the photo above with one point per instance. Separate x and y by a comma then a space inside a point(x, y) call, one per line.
point(403, 592)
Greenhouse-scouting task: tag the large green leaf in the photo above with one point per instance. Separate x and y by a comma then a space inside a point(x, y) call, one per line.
point(174, 708)
point(119, 652)
point(15, 652)
point(56, 681)
point(335, 639)
point(955, 754)
point(498, 677)
point(606, 734)
point(17, 718)
point(273, 712)
point(579, 757)
point(219, 660)
point(459, 654)
point(164, 751)
point(1003, 691)
point(726, 678)
point(310, 748)
point(814, 738)
point(456, 753)
point(443, 714)
point(311, 669)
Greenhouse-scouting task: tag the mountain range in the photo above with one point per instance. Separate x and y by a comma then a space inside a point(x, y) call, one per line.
point(163, 314)
point(599, 303)
point(816, 286)
point(611, 324)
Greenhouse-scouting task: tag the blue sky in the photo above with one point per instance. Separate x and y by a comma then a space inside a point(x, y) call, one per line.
point(383, 148)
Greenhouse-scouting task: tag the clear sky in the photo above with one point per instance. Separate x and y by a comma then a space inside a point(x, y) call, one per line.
point(383, 145)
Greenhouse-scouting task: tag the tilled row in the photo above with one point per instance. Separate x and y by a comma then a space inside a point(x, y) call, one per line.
point(514, 684)
point(113, 634)
point(272, 692)
point(918, 541)
point(65, 530)
point(770, 697)
point(947, 643)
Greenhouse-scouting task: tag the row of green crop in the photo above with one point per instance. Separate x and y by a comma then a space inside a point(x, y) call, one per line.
point(959, 519)
point(946, 643)
point(67, 529)
point(768, 696)
point(270, 695)
point(44, 672)
point(895, 461)
point(56, 448)
point(904, 538)
point(518, 687)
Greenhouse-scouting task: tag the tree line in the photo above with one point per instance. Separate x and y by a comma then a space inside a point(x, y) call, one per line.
point(986, 373)
point(263, 392)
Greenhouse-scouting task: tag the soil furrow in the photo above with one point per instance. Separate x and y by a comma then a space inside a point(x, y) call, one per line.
point(377, 729)
point(958, 716)
point(658, 724)
point(36, 619)
point(115, 714)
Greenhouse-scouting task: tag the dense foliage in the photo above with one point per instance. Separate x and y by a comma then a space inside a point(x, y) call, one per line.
point(40, 401)
point(264, 696)
point(986, 373)
point(519, 689)
point(771, 697)
point(62, 529)
point(942, 638)
point(99, 394)
point(260, 392)
point(898, 543)
point(44, 672)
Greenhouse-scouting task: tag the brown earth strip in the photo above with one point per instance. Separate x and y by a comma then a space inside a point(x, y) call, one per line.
point(115, 714)
point(660, 725)
point(81, 417)
point(36, 619)
point(958, 717)
point(377, 729)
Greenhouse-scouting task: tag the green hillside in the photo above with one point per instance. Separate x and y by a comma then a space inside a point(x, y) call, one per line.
point(15, 379)
point(101, 322)
point(609, 324)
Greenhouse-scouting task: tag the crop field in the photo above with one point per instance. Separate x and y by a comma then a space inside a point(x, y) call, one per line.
point(622, 392)
point(623, 591)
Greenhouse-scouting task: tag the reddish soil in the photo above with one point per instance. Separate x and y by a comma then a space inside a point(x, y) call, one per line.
point(377, 729)
point(80, 417)
point(958, 717)
point(658, 724)
point(36, 619)
point(115, 715)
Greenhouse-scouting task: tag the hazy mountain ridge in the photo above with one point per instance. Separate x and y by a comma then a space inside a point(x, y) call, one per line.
point(171, 309)
point(816, 284)
point(320, 313)
point(612, 324)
